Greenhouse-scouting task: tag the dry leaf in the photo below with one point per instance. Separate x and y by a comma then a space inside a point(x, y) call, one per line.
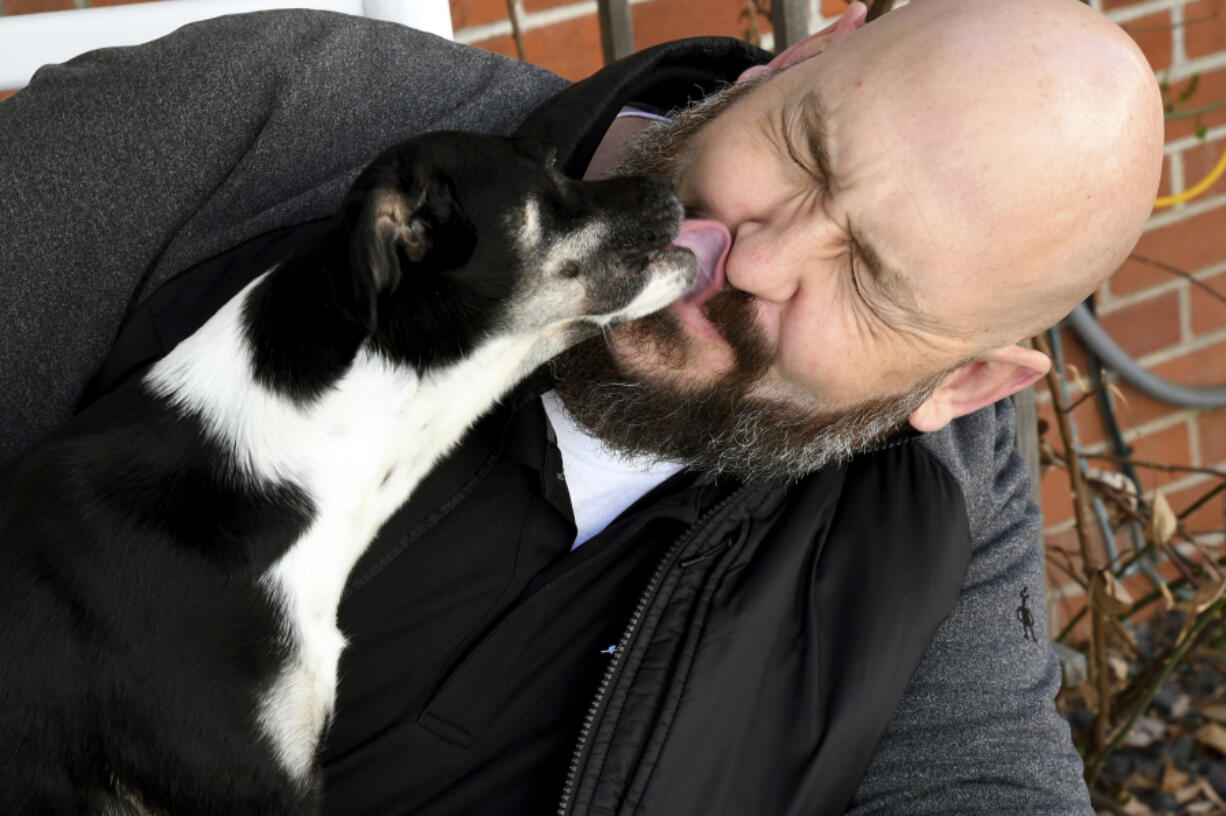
point(1216, 712)
point(1175, 781)
point(1163, 523)
point(1089, 693)
point(1207, 595)
point(1118, 667)
point(1108, 595)
point(1213, 735)
point(1146, 730)
point(1186, 794)
point(1168, 600)
point(1073, 373)
point(1123, 637)
point(1136, 807)
point(1209, 793)
point(1119, 483)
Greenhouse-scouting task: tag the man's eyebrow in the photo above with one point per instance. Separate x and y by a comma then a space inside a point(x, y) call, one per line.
point(813, 117)
point(893, 284)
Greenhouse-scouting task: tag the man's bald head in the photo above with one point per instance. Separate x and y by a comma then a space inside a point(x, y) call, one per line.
point(1035, 125)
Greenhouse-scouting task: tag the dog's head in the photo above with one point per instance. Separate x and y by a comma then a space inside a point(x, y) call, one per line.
point(457, 236)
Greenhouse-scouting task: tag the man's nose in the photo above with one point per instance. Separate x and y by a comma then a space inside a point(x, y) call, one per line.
point(771, 263)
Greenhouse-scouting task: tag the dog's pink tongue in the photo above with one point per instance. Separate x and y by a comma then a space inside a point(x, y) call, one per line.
point(710, 242)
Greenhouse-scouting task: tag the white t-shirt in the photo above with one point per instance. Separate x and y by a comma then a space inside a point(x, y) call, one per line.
point(601, 483)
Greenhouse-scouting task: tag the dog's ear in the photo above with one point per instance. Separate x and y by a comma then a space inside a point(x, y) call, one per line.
point(396, 228)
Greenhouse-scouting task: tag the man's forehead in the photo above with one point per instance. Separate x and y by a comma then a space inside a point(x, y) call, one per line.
point(814, 119)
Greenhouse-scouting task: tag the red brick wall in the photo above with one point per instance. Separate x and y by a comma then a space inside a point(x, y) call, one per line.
point(564, 36)
point(1170, 325)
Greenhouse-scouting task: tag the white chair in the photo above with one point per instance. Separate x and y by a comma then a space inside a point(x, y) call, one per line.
point(29, 41)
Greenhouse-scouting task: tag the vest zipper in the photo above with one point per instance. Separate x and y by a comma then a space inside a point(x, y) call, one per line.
point(582, 748)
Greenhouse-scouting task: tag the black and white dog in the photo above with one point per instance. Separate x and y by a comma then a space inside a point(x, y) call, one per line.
point(172, 559)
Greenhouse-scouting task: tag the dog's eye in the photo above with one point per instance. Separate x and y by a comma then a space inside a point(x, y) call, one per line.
point(570, 269)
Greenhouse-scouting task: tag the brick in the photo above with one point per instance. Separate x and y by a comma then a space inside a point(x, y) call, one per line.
point(833, 8)
point(1211, 87)
point(570, 49)
point(466, 13)
point(1137, 276)
point(1204, 32)
point(1145, 327)
point(1190, 245)
point(663, 20)
point(1167, 447)
point(1056, 497)
point(96, 3)
point(1197, 162)
point(1206, 519)
point(1153, 35)
point(539, 5)
point(1135, 408)
point(1206, 366)
point(6, 94)
point(1211, 425)
point(1164, 179)
point(35, 6)
point(1208, 312)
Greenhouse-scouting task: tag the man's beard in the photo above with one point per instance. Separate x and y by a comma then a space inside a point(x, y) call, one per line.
point(726, 426)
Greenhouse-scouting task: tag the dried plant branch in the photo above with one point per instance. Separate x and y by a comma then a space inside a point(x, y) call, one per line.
point(1174, 270)
point(1090, 394)
point(1200, 502)
point(1110, 457)
point(1192, 113)
point(1093, 561)
point(515, 12)
point(1095, 760)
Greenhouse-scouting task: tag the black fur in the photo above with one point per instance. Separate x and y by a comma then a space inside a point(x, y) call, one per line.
point(135, 638)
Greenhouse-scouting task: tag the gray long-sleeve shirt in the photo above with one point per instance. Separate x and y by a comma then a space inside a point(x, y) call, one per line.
point(125, 166)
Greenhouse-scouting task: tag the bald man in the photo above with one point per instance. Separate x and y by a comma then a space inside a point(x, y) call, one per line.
point(766, 552)
point(887, 220)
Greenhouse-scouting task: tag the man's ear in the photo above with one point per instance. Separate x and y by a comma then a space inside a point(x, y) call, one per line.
point(989, 377)
point(851, 19)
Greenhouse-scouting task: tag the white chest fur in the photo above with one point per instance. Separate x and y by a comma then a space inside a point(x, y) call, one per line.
point(357, 452)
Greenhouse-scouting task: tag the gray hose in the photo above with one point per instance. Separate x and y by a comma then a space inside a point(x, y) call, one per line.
point(1116, 359)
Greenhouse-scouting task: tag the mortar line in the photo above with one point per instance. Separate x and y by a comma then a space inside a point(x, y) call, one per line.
point(1178, 182)
point(1188, 142)
point(1184, 212)
point(1179, 53)
point(1127, 15)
